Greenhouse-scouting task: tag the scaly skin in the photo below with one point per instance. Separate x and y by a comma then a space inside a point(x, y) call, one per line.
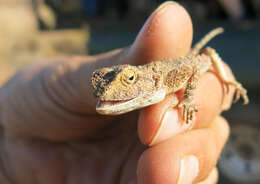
point(124, 88)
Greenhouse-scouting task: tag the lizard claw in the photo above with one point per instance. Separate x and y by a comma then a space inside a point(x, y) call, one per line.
point(189, 110)
point(240, 91)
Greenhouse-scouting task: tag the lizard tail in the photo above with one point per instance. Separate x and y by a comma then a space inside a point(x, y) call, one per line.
point(196, 49)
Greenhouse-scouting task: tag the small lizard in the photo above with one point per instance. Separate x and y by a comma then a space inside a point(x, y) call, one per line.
point(124, 88)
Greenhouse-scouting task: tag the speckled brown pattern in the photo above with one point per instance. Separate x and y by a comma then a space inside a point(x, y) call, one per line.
point(124, 88)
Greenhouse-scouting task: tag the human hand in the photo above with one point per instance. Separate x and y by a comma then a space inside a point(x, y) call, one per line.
point(51, 133)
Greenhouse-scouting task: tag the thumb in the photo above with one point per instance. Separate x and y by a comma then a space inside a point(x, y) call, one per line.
point(49, 100)
point(166, 34)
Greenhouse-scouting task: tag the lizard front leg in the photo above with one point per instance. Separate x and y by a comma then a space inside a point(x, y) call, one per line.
point(219, 68)
point(188, 103)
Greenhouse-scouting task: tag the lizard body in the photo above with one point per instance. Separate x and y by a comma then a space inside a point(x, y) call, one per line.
point(124, 88)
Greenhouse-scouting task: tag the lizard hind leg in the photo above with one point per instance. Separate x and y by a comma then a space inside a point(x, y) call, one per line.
point(219, 68)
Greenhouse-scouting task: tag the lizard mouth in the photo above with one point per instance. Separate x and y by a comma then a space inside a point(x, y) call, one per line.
point(124, 106)
point(103, 104)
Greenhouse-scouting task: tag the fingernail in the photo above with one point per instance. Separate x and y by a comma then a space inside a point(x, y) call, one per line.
point(189, 170)
point(163, 6)
point(170, 125)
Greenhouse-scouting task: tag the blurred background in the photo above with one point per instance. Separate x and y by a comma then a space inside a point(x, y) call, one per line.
point(32, 30)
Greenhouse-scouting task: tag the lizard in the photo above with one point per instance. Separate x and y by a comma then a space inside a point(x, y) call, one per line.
point(124, 88)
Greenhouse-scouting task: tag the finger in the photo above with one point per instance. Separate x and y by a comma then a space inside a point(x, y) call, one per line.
point(211, 97)
point(167, 34)
point(184, 158)
point(212, 177)
point(161, 121)
point(49, 100)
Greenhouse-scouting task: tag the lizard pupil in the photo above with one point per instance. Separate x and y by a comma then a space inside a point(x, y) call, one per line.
point(131, 78)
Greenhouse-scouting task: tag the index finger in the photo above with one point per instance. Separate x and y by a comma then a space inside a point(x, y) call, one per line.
point(160, 121)
point(167, 34)
point(163, 120)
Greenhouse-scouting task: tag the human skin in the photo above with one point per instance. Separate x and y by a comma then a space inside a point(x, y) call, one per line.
point(51, 133)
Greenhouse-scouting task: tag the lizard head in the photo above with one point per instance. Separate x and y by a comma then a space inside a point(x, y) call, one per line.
point(123, 88)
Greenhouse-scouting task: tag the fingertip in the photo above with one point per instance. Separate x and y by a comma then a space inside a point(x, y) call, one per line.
point(152, 169)
point(185, 157)
point(211, 97)
point(221, 128)
point(208, 98)
point(166, 34)
point(212, 177)
point(160, 121)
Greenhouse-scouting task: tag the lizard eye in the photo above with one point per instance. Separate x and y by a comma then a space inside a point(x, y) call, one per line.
point(129, 77)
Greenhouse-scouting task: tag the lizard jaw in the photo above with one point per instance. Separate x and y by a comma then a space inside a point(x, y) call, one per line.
point(124, 106)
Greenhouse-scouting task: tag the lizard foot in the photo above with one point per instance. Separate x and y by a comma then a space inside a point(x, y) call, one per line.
point(240, 91)
point(189, 109)
point(218, 66)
